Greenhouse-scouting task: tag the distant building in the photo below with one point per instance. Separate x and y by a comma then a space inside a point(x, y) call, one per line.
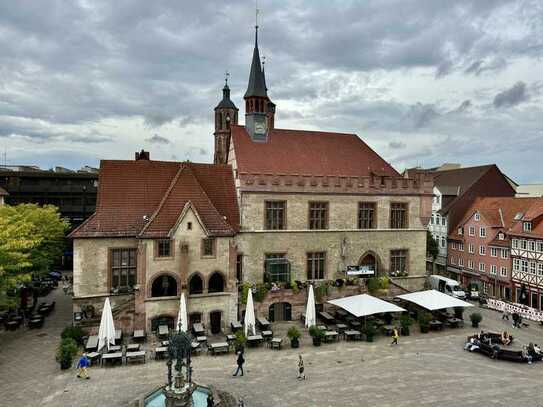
point(530, 191)
point(74, 192)
point(3, 194)
point(455, 190)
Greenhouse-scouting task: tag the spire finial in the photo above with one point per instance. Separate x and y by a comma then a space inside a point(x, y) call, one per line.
point(257, 11)
point(226, 76)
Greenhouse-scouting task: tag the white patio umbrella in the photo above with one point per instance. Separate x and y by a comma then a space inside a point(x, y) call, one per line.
point(182, 315)
point(249, 320)
point(106, 333)
point(310, 313)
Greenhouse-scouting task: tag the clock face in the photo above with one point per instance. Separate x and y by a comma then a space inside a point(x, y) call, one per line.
point(260, 127)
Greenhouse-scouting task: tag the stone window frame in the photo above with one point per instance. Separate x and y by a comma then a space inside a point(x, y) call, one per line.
point(268, 222)
point(110, 266)
point(278, 254)
point(373, 216)
point(406, 259)
point(314, 261)
point(156, 250)
point(161, 274)
point(404, 211)
point(213, 255)
point(321, 221)
point(202, 279)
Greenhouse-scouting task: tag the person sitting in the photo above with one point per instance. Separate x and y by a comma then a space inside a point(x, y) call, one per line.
point(472, 345)
point(506, 339)
point(526, 355)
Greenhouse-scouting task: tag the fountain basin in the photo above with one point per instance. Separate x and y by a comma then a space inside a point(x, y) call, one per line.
point(158, 398)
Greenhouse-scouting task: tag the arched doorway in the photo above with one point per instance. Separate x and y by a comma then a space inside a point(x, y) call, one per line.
point(215, 321)
point(196, 284)
point(280, 311)
point(369, 261)
point(164, 286)
point(216, 283)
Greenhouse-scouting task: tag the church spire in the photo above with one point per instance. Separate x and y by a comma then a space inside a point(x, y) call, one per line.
point(257, 82)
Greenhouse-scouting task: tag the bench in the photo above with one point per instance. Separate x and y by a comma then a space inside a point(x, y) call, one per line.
point(220, 347)
point(276, 343)
point(263, 323)
point(236, 326)
point(92, 343)
point(113, 357)
point(160, 352)
point(139, 335)
point(135, 356)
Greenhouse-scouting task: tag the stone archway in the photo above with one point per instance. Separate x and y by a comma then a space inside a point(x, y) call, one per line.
point(371, 260)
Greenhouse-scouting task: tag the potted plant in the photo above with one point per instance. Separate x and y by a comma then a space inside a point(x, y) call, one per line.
point(294, 334)
point(317, 334)
point(370, 330)
point(475, 318)
point(424, 322)
point(405, 321)
point(74, 332)
point(67, 349)
point(240, 341)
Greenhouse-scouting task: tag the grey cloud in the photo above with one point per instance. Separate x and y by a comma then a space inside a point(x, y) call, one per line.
point(156, 139)
point(464, 106)
point(396, 145)
point(512, 96)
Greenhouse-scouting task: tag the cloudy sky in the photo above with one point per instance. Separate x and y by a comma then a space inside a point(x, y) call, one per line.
point(422, 82)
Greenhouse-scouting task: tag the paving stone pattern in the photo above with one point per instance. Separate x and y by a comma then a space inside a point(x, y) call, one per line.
point(424, 370)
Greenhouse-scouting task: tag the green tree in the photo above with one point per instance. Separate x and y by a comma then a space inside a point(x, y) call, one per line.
point(31, 239)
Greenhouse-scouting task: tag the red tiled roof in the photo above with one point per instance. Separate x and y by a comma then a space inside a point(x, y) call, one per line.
point(158, 190)
point(501, 211)
point(307, 153)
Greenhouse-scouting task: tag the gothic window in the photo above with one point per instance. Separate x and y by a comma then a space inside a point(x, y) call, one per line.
point(164, 286)
point(366, 215)
point(398, 215)
point(196, 285)
point(123, 268)
point(216, 283)
point(398, 261)
point(316, 265)
point(208, 247)
point(275, 215)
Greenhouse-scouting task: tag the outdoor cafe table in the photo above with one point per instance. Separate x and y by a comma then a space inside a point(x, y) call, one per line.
point(140, 354)
point(201, 339)
point(236, 326)
point(230, 338)
point(160, 352)
point(267, 334)
point(275, 343)
point(198, 329)
point(113, 357)
point(254, 340)
point(352, 335)
point(219, 347)
point(133, 347)
point(139, 334)
point(355, 324)
point(341, 314)
point(329, 319)
point(436, 325)
point(330, 336)
point(92, 343)
point(264, 323)
point(163, 330)
point(455, 322)
point(114, 348)
point(341, 328)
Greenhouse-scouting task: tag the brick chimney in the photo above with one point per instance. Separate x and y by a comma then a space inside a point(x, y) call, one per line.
point(143, 155)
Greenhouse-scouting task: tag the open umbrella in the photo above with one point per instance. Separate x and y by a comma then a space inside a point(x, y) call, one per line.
point(106, 333)
point(249, 320)
point(310, 313)
point(182, 315)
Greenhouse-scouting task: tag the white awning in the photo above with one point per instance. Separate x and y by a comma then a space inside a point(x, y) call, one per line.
point(433, 300)
point(364, 304)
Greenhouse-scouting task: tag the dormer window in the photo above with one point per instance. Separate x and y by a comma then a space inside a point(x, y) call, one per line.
point(460, 231)
point(501, 236)
point(477, 216)
point(527, 226)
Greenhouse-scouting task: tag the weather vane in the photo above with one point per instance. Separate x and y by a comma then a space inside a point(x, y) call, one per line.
point(226, 76)
point(257, 11)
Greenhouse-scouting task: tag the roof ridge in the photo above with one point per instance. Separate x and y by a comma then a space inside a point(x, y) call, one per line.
point(459, 196)
point(164, 198)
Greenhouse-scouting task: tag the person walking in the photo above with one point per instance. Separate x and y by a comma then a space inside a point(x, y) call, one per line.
point(395, 336)
point(82, 365)
point(240, 362)
point(301, 369)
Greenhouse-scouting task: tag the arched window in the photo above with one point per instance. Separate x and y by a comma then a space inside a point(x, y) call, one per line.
point(216, 283)
point(164, 286)
point(196, 285)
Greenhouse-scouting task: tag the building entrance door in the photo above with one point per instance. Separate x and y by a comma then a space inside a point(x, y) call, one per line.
point(215, 321)
point(280, 311)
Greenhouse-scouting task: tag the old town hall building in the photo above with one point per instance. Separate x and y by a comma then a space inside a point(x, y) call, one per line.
point(277, 208)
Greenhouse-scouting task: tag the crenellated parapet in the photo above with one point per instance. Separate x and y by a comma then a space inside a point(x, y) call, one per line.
point(422, 184)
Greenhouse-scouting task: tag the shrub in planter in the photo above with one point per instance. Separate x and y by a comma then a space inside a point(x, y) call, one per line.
point(405, 321)
point(241, 340)
point(370, 331)
point(475, 318)
point(67, 349)
point(74, 332)
point(317, 334)
point(294, 334)
point(424, 322)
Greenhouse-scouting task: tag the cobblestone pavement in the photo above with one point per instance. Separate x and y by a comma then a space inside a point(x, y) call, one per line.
point(424, 370)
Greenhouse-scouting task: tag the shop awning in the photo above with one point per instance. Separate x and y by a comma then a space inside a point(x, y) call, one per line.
point(363, 305)
point(433, 300)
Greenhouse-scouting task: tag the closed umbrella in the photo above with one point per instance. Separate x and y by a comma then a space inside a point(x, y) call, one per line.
point(106, 333)
point(182, 315)
point(249, 320)
point(310, 313)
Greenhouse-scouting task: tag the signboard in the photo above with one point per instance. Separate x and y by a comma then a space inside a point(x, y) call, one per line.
point(360, 270)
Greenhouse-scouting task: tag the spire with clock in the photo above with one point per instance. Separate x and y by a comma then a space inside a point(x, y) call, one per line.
point(259, 109)
point(226, 114)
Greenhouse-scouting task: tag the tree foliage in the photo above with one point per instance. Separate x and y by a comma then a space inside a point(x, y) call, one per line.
point(432, 247)
point(31, 239)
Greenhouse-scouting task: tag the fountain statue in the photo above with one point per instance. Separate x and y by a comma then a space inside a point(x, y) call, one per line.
point(179, 390)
